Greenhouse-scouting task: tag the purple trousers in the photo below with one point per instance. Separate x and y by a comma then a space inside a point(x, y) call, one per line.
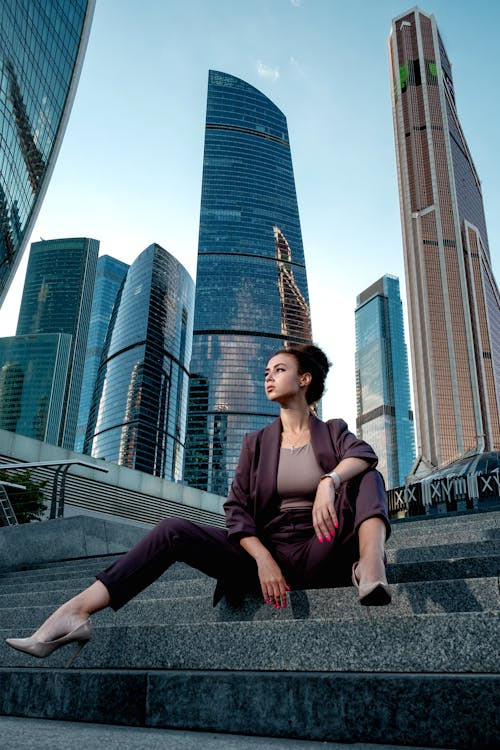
point(290, 537)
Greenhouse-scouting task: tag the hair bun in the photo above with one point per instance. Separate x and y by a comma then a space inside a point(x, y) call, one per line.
point(317, 355)
point(311, 359)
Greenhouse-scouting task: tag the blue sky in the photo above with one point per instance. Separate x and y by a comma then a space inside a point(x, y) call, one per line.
point(129, 170)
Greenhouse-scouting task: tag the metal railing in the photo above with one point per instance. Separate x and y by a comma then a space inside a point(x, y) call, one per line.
point(59, 482)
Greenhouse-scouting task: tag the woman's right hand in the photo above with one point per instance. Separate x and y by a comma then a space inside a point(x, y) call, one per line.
point(272, 582)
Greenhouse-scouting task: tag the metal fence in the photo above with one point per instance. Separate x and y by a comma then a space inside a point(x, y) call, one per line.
point(445, 494)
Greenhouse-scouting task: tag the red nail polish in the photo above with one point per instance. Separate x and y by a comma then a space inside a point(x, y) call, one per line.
point(336, 524)
point(328, 537)
point(320, 539)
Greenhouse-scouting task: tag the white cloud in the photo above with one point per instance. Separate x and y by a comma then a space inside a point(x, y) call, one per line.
point(296, 3)
point(298, 67)
point(266, 71)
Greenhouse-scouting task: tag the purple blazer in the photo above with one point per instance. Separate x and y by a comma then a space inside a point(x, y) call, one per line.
point(251, 502)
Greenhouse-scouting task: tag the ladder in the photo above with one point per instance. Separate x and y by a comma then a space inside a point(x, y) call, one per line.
point(7, 514)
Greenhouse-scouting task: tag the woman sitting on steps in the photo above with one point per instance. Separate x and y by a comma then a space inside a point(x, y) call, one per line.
point(306, 509)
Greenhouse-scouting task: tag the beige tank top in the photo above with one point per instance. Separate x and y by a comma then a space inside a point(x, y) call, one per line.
point(298, 477)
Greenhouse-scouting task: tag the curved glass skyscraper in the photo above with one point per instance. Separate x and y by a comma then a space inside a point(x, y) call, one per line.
point(42, 45)
point(138, 412)
point(109, 276)
point(251, 285)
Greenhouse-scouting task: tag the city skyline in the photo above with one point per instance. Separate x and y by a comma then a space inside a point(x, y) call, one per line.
point(340, 123)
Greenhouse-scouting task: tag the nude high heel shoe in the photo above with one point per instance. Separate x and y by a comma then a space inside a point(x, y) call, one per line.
point(373, 594)
point(81, 635)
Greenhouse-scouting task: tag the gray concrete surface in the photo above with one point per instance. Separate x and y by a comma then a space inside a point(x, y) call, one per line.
point(39, 734)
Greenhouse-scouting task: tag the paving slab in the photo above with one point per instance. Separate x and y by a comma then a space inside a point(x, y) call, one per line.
point(41, 734)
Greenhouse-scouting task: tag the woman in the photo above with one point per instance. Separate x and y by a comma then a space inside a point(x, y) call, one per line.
point(306, 509)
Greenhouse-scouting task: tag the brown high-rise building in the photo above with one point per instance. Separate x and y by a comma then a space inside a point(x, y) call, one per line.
point(453, 300)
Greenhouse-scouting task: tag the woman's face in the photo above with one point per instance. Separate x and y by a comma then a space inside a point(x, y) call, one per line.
point(282, 378)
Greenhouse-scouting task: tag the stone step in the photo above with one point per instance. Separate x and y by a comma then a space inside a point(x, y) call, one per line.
point(452, 536)
point(387, 709)
point(56, 592)
point(188, 581)
point(471, 547)
point(472, 595)
point(435, 570)
point(74, 563)
point(30, 579)
point(417, 554)
point(40, 591)
point(466, 642)
point(482, 548)
point(428, 532)
point(175, 572)
point(446, 536)
point(429, 524)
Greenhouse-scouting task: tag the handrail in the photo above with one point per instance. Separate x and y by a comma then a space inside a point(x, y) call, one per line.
point(38, 464)
point(62, 468)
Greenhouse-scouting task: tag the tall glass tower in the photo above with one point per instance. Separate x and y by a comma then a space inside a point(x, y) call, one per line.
point(57, 298)
point(42, 46)
point(251, 285)
point(138, 413)
point(108, 280)
point(384, 418)
point(33, 376)
point(454, 302)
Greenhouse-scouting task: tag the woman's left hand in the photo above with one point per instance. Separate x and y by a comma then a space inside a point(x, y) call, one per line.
point(323, 513)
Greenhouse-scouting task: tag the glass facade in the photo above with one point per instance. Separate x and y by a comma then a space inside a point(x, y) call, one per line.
point(453, 299)
point(251, 285)
point(108, 280)
point(57, 298)
point(384, 416)
point(138, 413)
point(33, 375)
point(42, 45)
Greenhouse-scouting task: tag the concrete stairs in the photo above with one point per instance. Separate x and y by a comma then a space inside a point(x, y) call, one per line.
point(422, 671)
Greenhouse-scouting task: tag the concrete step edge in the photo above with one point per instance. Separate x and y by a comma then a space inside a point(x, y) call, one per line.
point(426, 710)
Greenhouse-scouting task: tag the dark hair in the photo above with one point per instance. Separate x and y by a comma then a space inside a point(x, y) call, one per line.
point(310, 359)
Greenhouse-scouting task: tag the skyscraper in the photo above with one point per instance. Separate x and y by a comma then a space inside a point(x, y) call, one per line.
point(33, 377)
point(251, 285)
point(109, 277)
point(57, 298)
point(42, 46)
point(138, 413)
point(384, 416)
point(453, 299)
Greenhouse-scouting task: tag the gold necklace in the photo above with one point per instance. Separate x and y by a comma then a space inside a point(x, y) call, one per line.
point(296, 440)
